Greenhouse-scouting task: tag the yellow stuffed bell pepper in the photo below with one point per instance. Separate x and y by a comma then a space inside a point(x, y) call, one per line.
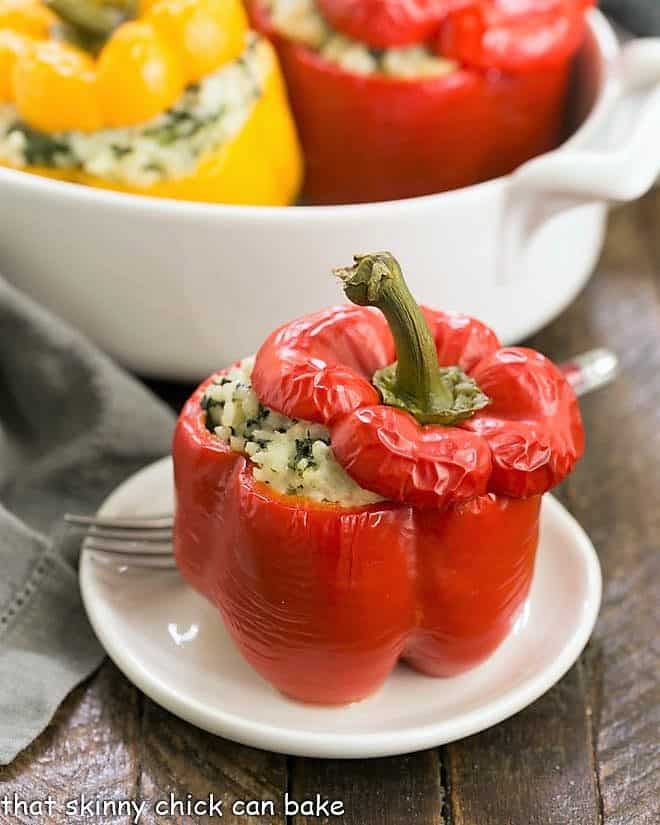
point(178, 100)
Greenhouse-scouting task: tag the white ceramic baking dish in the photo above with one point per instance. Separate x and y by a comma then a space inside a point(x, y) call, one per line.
point(178, 289)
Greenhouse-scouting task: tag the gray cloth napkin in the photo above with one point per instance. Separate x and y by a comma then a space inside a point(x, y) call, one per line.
point(72, 426)
point(641, 17)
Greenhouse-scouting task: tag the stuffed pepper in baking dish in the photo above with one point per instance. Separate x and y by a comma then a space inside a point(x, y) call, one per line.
point(395, 99)
point(176, 99)
point(367, 489)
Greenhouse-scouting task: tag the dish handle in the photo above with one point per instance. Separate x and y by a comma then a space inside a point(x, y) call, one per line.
point(606, 169)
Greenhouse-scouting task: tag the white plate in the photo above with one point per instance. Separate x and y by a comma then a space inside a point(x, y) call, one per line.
point(171, 643)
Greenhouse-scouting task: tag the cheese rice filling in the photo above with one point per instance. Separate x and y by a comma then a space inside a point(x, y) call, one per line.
point(293, 457)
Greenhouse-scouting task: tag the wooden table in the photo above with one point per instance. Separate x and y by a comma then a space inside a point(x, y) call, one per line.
point(588, 752)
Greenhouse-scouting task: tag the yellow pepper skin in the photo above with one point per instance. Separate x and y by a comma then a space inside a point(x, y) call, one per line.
point(150, 70)
point(54, 88)
point(13, 44)
point(30, 17)
point(205, 33)
point(261, 166)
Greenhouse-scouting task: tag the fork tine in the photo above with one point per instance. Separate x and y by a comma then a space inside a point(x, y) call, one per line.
point(142, 523)
point(129, 534)
point(124, 547)
point(135, 560)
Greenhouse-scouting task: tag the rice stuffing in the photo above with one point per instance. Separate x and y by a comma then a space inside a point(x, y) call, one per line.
point(294, 457)
point(302, 21)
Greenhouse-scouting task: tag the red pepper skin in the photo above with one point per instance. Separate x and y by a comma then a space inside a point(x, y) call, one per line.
point(385, 449)
point(323, 601)
point(375, 138)
point(532, 425)
point(513, 37)
point(295, 351)
point(522, 444)
point(475, 567)
point(385, 23)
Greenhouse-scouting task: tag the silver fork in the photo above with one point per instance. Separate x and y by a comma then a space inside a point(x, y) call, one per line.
point(147, 541)
point(140, 542)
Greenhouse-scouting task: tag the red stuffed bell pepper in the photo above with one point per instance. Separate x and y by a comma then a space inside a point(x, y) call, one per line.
point(399, 98)
point(344, 511)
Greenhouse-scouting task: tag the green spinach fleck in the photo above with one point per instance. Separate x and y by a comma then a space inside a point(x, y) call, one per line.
point(40, 149)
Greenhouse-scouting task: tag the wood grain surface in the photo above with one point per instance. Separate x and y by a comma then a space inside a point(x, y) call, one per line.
point(586, 753)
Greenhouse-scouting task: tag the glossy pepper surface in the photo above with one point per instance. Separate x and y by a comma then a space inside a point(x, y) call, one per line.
point(376, 137)
point(385, 23)
point(323, 600)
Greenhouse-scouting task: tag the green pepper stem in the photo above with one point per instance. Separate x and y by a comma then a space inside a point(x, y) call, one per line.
point(415, 382)
point(377, 281)
point(96, 18)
